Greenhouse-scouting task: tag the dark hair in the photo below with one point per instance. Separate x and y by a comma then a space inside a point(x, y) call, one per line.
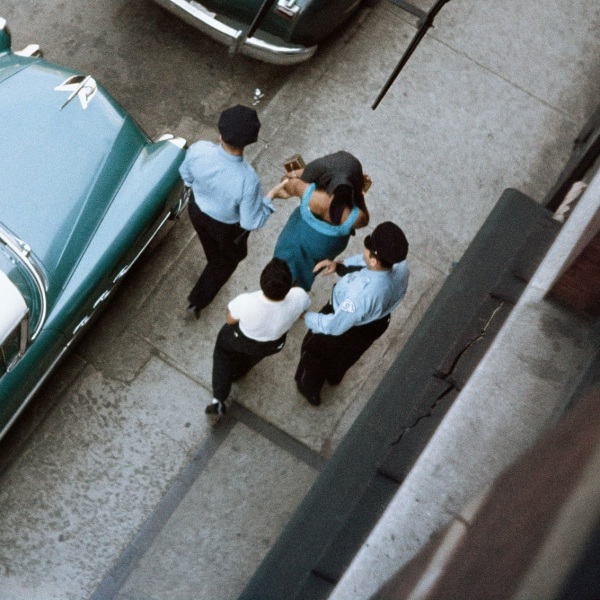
point(341, 175)
point(276, 279)
point(343, 197)
point(382, 263)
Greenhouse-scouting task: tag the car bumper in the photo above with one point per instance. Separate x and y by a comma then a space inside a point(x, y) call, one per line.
point(261, 46)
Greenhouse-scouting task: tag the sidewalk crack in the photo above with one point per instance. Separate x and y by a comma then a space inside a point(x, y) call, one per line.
point(428, 414)
point(447, 377)
point(477, 338)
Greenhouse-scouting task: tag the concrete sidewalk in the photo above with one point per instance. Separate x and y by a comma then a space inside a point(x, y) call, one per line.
point(493, 98)
point(518, 391)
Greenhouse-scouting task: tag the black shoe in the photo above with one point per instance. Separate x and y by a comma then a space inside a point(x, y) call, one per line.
point(192, 309)
point(313, 399)
point(216, 408)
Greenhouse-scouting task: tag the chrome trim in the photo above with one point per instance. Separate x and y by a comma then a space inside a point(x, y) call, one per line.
point(184, 200)
point(121, 273)
point(169, 137)
point(23, 253)
point(32, 50)
point(103, 296)
point(199, 17)
point(26, 250)
point(84, 87)
point(126, 268)
point(79, 325)
point(287, 8)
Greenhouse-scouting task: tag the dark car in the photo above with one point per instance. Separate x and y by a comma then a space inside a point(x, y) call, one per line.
point(83, 191)
point(289, 32)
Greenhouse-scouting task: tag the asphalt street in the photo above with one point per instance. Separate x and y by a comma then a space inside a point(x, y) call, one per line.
point(112, 484)
point(78, 495)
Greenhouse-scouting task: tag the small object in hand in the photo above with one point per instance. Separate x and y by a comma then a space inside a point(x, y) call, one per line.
point(294, 163)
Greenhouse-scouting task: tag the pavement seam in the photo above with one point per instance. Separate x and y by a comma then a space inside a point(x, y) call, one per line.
point(127, 561)
point(461, 52)
point(277, 436)
point(490, 69)
point(109, 587)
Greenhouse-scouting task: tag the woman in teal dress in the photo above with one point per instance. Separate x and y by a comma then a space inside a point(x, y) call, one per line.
point(332, 207)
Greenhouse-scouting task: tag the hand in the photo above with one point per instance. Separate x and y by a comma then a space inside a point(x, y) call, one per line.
point(326, 266)
point(295, 174)
point(366, 183)
point(279, 191)
point(230, 320)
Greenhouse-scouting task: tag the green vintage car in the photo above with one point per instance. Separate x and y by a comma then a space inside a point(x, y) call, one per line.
point(83, 191)
point(288, 31)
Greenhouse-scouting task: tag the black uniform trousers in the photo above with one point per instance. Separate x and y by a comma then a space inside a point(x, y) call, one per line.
point(225, 246)
point(328, 357)
point(235, 354)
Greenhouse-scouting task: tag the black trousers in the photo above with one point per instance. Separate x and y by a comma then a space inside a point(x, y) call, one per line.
point(234, 355)
point(225, 246)
point(328, 357)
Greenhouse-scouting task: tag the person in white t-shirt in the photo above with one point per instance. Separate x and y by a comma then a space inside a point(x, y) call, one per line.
point(256, 326)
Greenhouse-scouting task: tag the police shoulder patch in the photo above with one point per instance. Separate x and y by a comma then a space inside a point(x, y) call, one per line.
point(348, 306)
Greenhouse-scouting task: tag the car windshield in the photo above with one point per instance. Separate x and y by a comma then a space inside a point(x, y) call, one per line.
point(25, 277)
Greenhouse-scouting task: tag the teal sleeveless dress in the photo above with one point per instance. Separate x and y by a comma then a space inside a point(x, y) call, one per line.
point(306, 239)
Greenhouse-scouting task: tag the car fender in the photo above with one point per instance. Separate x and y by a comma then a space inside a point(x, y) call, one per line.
point(139, 210)
point(15, 390)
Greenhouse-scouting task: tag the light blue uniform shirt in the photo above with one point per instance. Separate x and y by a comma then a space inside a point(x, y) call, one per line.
point(361, 297)
point(225, 187)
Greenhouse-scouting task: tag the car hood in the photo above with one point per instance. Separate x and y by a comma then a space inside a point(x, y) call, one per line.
point(61, 163)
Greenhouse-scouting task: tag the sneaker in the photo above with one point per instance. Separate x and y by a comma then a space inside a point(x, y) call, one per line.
point(192, 309)
point(216, 408)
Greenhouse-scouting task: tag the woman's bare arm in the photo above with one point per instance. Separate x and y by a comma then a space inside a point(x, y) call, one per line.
point(295, 187)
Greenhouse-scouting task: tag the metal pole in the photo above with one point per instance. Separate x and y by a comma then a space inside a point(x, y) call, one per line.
point(424, 25)
point(262, 13)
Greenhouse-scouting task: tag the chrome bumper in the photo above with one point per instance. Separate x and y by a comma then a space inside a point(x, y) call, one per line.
point(259, 46)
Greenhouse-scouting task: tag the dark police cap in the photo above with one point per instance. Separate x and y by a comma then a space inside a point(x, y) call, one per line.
point(388, 243)
point(239, 125)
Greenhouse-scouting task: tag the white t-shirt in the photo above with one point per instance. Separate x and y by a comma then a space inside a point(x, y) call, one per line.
point(265, 320)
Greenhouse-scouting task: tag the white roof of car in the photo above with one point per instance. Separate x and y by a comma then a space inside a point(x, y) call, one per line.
point(12, 306)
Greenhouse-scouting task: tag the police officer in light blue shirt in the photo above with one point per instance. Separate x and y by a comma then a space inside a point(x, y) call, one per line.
point(372, 285)
point(226, 202)
point(225, 186)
